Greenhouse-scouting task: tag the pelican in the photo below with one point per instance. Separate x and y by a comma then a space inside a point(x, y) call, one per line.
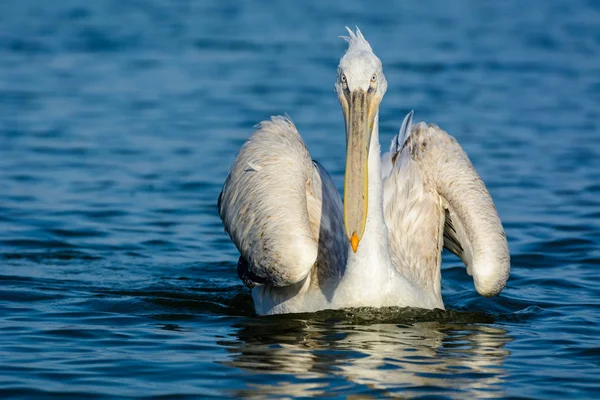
point(302, 250)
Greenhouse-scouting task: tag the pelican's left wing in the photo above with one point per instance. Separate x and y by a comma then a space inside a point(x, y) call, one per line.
point(282, 210)
point(432, 197)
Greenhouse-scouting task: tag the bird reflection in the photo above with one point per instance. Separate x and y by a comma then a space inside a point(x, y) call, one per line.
point(309, 357)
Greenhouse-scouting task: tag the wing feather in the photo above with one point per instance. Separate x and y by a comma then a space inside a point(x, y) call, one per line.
point(432, 161)
point(271, 206)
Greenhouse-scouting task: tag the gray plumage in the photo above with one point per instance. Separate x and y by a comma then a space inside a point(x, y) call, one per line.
point(286, 218)
point(438, 198)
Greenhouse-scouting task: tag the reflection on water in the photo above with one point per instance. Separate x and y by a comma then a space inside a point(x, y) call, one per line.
point(421, 358)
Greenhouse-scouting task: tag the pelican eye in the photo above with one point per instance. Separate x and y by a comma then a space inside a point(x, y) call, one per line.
point(374, 78)
point(344, 82)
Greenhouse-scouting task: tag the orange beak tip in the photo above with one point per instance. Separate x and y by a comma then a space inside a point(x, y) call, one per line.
point(354, 242)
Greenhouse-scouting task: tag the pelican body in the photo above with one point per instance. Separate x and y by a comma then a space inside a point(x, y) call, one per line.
point(303, 250)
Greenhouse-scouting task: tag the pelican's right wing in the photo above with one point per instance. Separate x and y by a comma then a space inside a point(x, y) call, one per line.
point(282, 210)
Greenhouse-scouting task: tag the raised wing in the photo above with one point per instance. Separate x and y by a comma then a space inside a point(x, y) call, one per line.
point(434, 196)
point(282, 210)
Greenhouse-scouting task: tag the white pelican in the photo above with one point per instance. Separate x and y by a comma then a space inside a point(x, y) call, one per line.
point(303, 251)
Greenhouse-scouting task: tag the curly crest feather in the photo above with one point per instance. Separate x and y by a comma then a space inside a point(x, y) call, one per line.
point(356, 41)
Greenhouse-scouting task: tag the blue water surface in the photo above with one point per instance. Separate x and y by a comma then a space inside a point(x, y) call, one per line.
point(119, 121)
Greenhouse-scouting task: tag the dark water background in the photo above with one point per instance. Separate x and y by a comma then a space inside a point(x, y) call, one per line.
point(120, 119)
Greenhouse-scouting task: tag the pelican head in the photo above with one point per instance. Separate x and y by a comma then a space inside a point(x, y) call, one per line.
point(360, 86)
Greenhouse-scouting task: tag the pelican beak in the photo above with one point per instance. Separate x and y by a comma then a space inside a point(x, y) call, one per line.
point(360, 108)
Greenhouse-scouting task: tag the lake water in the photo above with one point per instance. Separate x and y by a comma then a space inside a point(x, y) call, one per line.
point(119, 121)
